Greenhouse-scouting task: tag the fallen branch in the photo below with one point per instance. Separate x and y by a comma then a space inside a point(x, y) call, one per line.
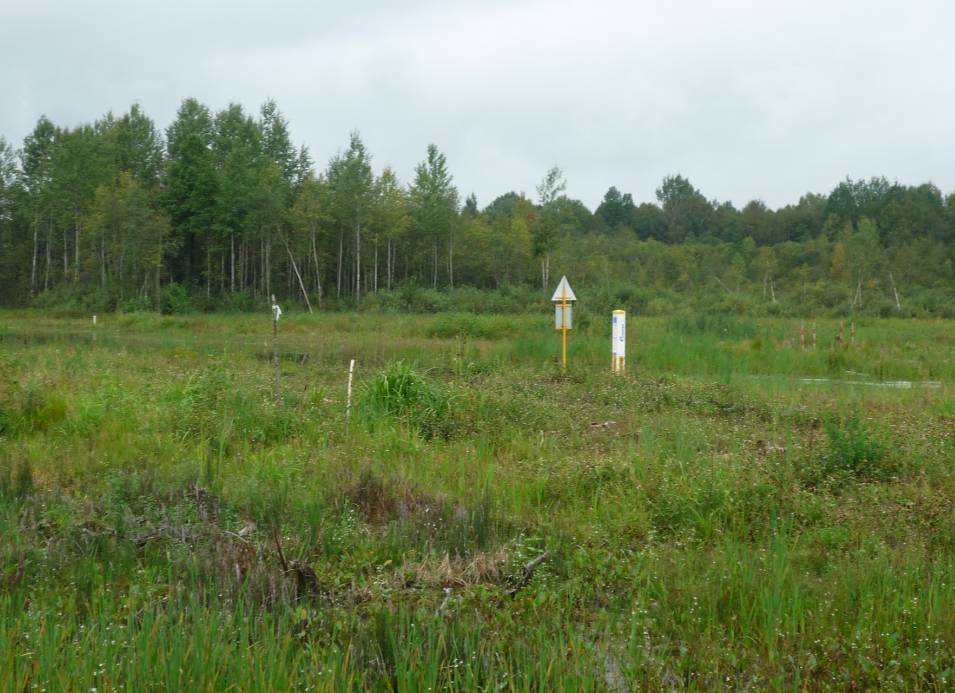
point(527, 574)
point(722, 284)
point(304, 574)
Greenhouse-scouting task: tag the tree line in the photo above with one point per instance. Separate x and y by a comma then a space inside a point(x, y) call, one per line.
point(221, 211)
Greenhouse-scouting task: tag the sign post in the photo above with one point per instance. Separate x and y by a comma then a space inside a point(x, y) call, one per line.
point(276, 314)
point(619, 345)
point(563, 311)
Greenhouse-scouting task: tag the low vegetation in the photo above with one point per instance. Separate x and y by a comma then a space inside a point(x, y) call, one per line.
point(733, 513)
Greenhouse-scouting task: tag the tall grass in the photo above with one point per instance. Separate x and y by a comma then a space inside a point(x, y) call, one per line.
point(173, 526)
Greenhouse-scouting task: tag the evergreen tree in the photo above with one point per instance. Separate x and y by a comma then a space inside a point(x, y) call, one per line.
point(616, 208)
point(351, 181)
point(434, 201)
point(190, 199)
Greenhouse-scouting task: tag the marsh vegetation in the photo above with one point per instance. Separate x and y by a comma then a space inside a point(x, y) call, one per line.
point(733, 513)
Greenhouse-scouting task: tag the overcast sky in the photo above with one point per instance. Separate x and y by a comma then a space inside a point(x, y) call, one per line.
point(748, 100)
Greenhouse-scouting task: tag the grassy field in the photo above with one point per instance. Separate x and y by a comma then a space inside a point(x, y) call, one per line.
point(733, 513)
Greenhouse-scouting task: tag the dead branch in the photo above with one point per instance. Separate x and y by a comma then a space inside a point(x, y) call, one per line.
point(528, 574)
point(278, 546)
point(304, 574)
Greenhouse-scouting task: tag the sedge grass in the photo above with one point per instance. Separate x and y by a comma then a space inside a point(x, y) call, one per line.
point(698, 538)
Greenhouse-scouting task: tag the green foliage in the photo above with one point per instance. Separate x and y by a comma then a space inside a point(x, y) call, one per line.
point(26, 408)
point(175, 300)
point(469, 326)
point(202, 402)
point(409, 396)
point(231, 213)
point(853, 452)
point(16, 478)
point(720, 326)
point(179, 528)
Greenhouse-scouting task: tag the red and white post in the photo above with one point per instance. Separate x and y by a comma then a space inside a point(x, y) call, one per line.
point(802, 334)
point(813, 334)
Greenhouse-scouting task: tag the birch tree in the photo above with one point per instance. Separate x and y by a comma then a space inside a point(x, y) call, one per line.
point(546, 221)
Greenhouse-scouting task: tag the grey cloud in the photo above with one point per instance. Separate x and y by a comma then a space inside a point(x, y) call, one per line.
point(749, 100)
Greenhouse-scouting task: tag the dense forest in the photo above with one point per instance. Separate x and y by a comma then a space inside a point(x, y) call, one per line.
point(222, 210)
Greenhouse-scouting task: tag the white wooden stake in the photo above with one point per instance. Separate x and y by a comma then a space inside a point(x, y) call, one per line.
point(351, 371)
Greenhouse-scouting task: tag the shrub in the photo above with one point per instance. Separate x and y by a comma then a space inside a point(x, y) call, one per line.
point(175, 300)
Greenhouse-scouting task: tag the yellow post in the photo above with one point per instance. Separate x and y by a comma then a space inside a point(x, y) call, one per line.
point(562, 295)
point(563, 321)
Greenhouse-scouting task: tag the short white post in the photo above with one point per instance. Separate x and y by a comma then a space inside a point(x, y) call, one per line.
point(619, 344)
point(351, 371)
point(94, 321)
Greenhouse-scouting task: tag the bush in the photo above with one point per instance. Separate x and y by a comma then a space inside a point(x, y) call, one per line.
point(244, 301)
point(135, 305)
point(175, 300)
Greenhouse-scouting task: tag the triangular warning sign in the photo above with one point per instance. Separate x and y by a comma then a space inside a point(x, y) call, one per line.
point(564, 292)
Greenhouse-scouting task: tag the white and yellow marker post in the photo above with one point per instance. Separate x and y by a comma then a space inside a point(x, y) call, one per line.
point(619, 345)
point(563, 316)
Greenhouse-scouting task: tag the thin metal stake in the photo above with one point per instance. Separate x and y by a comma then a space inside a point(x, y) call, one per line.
point(275, 349)
point(351, 372)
